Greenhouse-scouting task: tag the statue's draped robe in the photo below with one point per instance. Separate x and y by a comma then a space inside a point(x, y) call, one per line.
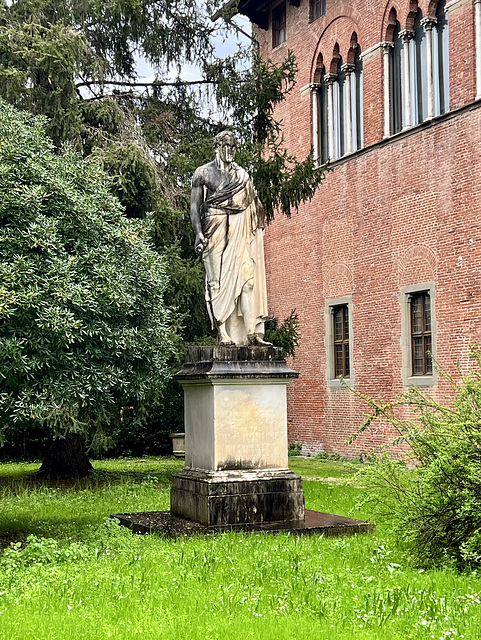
point(232, 222)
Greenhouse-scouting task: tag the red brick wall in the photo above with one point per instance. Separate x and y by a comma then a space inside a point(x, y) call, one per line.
point(401, 212)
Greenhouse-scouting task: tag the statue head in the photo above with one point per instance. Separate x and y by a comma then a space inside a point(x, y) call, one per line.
point(225, 144)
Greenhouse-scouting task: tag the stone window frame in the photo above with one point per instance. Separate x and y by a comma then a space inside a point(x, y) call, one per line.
point(407, 376)
point(331, 303)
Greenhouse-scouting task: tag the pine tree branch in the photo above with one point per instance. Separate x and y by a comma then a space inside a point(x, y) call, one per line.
point(155, 83)
point(115, 96)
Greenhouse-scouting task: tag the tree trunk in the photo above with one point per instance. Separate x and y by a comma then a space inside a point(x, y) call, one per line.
point(66, 458)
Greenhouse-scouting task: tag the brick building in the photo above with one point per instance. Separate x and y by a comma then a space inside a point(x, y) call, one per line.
point(383, 266)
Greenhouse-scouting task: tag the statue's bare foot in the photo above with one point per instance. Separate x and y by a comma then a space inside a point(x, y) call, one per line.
point(254, 340)
point(224, 339)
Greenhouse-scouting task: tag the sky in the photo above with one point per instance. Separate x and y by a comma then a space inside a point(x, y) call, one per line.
point(223, 48)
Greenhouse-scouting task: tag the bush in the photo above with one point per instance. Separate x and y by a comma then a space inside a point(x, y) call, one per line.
point(435, 505)
point(84, 329)
point(295, 449)
point(286, 336)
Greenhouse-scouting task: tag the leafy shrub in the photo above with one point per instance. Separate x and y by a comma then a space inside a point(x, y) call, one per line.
point(295, 449)
point(286, 336)
point(330, 457)
point(41, 551)
point(436, 504)
point(84, 329)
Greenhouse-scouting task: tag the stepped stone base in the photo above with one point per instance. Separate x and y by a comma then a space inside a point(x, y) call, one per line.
point(238, 497)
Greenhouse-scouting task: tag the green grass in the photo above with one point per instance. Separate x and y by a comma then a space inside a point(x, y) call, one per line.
point(311, 468)
point(82, 576)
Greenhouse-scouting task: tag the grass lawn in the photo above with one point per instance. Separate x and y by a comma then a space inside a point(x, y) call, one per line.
point(80, 575)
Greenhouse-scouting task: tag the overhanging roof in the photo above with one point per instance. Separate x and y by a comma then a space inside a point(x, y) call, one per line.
point(256, 11)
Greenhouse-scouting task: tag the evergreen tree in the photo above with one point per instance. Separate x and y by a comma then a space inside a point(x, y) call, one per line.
point(74, 61)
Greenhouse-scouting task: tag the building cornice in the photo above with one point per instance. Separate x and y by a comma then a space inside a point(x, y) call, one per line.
point(407, 133)
point(454, 4)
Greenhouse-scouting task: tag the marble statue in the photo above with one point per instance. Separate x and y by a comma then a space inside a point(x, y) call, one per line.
point(228, 222)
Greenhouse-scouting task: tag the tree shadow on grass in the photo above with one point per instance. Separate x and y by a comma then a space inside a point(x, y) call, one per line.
point(16, 524)
point(96, 478)
point(18, 529)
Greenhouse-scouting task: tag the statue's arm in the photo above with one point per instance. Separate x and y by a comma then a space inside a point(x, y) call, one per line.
point(196, 200)
point(259, 207)
point(261, 213)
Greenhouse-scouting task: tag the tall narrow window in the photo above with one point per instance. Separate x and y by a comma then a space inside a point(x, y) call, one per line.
point(323, 116)
point(339, 111)
point(418, 334)
point(397, 81)
point(428, 55)
point(441, 60)
point(421, 342)
point(341, 341)
point(357, 103)
point(341, 127)
point(279, 25)
point(318, 8)
point(418, 72)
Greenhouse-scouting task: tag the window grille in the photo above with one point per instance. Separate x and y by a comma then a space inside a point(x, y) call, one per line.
point(421, 339)
point(340, 316)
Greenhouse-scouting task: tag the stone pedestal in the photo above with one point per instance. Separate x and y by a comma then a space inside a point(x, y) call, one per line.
point(236, 439)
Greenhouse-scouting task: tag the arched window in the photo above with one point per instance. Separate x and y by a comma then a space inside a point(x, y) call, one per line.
point(323, 117)
point(418, 72)
point(357, 103)
point(441, 60)
point(340, 110)
point(397, 81)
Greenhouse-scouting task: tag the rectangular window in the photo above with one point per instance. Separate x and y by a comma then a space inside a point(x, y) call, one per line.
point(279, 25)
point(340, 317)
point(418, 334)
point(339, 342)
point(318, 8)
point(421, 342)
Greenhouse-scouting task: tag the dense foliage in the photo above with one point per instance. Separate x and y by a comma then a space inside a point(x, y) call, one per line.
point(57, 55)
point(436, 506)
point(76, 62)
point(84, 329)
point(285, 335)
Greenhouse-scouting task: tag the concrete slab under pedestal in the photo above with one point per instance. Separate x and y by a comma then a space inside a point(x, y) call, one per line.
point(315, 522)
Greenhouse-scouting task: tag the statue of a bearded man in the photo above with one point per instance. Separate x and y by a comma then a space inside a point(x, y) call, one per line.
point(228, 221)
